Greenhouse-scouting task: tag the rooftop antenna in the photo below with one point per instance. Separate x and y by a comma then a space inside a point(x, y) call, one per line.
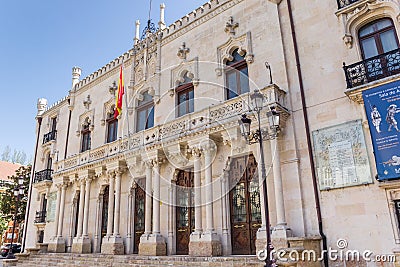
point(150, 27)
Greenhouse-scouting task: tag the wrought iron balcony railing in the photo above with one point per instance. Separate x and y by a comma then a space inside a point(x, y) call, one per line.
point(344, 3)
point(40, 216)
point(44, 175)
point(372, 69)
point(49, 136)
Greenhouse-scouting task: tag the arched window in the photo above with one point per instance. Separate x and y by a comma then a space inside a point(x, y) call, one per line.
point(112, 126)
point(145, 113)
point(237, 80)
point(185, 94)
point(378, 38)
point(86, 140)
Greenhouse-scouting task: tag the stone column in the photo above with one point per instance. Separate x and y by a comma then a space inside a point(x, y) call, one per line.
point(81, 208)
point(225, 240)
point(117, 203)
point(57, 215)
point(197, 192)
point(153, 244)
point(130, 219)
point(156, 198)
point(82, 242)
point(281, 230)
point(57, 243)
point(112, 242)
point(61, 212)
point(208, 244)
point(110, 214)
point(149, 172)
point(86, 211)
point(208, 153)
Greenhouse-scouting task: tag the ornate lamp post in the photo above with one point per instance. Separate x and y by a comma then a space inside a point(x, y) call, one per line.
point(18, 191)
point(258, 136)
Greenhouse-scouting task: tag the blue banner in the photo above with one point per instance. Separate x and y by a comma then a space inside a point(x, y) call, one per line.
point(382, 106)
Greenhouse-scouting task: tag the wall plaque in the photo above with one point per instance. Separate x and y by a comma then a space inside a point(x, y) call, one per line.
point(341, 157)
point(51, 206)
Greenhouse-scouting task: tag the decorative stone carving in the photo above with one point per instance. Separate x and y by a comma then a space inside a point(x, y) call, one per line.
point(189, 68)
point(224, 52)
point(183, 51)
point(230, 26)
point(87, 102)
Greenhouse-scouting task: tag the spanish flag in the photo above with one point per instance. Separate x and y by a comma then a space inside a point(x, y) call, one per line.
point(120, 93)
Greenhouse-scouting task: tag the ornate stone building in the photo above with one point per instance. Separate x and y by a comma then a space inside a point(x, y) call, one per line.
point(173, 175)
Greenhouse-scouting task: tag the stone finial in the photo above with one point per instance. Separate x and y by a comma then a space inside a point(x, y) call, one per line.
point(161, 23)
point(41, 106)
point(183, 51)
point(137, 32)
point(231, 26)
point(76, 74)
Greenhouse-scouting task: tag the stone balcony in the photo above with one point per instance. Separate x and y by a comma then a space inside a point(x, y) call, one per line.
point(212, 119)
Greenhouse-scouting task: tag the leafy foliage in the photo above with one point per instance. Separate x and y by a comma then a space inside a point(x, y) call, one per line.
point(14, 156)
point(8, 200)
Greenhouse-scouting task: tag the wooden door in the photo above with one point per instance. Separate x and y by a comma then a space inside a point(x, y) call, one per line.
point(140, 202)
point(184, 211)
point(104, 213)
point(245, 205)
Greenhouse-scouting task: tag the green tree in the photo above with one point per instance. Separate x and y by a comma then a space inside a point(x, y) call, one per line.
point(8, 200)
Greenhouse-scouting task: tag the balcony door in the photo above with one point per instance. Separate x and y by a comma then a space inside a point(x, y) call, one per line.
point(245, 205)
point(379, 44)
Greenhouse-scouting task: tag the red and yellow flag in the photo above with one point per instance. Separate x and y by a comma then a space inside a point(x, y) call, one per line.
point(120, 93)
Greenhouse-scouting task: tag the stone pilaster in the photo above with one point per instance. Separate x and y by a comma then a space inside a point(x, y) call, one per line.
point(281, 231)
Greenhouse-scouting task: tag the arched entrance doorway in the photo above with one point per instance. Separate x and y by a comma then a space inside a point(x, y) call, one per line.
point(184, 211)
point(245, 206)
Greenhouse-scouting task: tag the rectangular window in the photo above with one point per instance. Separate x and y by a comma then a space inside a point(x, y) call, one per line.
point(85, 141)
point(185, 99)
point(112, 130)
point(145, 118)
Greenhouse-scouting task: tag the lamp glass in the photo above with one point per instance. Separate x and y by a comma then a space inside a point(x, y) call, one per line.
point(21, 191)
point(21, 180)
point(245, 123)
point(16, 191)
point(257, 100)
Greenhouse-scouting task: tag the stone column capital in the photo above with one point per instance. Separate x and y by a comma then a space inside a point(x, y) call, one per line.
point(111, 174)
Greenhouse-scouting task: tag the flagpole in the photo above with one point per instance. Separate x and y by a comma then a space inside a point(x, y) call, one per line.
point(126, 102)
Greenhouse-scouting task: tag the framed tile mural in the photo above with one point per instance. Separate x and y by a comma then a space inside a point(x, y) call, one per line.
point(341, 157)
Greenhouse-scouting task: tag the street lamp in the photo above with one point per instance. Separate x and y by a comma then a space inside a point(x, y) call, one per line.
point(258, 136)
point(18, 191)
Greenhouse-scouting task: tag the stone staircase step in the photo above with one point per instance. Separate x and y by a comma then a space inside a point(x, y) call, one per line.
point(101, 260)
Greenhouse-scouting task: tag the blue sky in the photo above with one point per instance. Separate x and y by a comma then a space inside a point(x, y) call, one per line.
point(40, 42)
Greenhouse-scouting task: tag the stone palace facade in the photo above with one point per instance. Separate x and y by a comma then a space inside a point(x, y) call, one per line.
point(173, 174)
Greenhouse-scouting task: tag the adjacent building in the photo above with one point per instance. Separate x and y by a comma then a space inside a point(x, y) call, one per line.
point(173, 175)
